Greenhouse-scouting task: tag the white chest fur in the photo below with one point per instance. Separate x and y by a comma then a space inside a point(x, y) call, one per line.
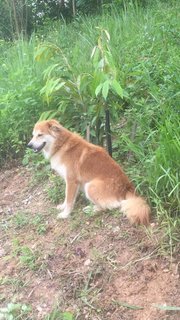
point(46, 154)
point(58, 167)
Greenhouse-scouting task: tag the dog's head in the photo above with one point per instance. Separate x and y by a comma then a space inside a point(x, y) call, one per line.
point(44, 135)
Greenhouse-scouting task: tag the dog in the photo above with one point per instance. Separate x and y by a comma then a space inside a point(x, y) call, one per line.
point(89, 167)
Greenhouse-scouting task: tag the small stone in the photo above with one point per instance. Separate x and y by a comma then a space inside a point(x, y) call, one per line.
point(153, 225)
point(116, 229)
point(9, 211)
point(175, 269)
point(2, 252)
point(87, 262)
point(39, 308)
point(79, 252)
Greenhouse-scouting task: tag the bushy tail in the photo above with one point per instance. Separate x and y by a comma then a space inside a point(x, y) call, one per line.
point(136, 209)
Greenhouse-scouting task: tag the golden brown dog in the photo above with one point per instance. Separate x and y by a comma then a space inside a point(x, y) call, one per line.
point(87, 166)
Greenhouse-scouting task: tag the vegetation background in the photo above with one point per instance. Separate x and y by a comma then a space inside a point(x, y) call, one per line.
point(80, 61)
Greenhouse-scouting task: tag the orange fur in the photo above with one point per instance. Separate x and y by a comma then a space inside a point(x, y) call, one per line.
point(87, 166)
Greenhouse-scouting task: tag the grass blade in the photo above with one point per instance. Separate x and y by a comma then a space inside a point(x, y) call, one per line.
point(127, 305)
point(167, 308)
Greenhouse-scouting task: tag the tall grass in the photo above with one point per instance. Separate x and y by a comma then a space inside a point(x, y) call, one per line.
point(20, 102)
point(145, 48)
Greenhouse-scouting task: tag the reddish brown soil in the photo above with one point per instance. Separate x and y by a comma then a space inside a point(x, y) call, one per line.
point(97, 267)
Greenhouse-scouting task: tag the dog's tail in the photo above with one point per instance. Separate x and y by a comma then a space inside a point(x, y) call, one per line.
point(136, 209)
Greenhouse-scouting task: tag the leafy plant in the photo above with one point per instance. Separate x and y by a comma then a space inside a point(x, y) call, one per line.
point(40, 225)
point(26, 256)
point(21, 219)
point(83, 89)
point(58, 315)
point(56, 189)
point(60, 78)
point(104, 76)
point(14, 311)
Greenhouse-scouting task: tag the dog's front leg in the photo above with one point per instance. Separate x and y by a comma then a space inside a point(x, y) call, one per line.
point(72, 188)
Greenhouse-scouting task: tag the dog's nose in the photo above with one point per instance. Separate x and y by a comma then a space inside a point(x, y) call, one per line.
point(29, 145)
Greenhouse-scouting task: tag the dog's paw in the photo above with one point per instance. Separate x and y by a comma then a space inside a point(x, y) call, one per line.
point(63, 215)
point(60, 206)
point(97, 209)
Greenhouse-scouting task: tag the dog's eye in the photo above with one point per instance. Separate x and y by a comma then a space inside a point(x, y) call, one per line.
point(40, 135)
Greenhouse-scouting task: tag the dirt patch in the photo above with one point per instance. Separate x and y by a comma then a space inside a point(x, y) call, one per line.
point(95, 267)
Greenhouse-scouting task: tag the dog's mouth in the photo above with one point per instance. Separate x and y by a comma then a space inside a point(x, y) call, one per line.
point(36, 150)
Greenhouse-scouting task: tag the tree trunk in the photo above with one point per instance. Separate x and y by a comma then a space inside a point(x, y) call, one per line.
point(132, 137)
point(74, 7)
point(15, 18)
point(98, 124)
point(108, 132)
point(88, 133)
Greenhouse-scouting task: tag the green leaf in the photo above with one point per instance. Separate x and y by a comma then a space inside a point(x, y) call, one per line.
point(46, 115)
point(59, 86)
point(43, 52)
point(117, 88)
point(101, 64)
point(98, 89)
point(67, 316)
point(107, 34)
point(93, 51)
point(49, 70)
point(105, 89)
point(13, 307)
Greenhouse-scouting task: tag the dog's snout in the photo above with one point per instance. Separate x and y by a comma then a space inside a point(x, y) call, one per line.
point(29, 145)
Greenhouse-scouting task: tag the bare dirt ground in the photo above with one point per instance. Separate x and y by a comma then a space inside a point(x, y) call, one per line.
point(97, 267)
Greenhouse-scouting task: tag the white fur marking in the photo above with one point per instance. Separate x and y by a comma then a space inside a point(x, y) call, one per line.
point(59, 168)
point(86, 190)
point(61, 206)
point(46, 154)
point(65, 213)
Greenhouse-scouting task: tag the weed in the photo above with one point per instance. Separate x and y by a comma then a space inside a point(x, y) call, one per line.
point(88, 210)
point(38, 166)
point(14, 282)
point(40, 225)
point(56, 314)
point(97, 254)
point(21, 219)
point(56, 190)
point(14, 311)
point(27, 257)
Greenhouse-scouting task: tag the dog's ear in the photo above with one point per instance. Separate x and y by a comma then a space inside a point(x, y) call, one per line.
point(55, 128)
point(54, 125)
